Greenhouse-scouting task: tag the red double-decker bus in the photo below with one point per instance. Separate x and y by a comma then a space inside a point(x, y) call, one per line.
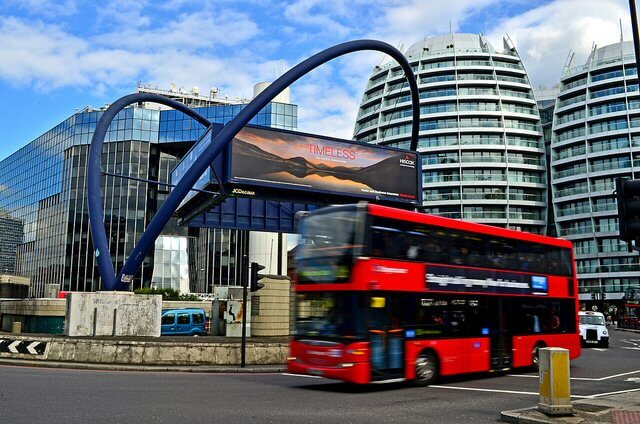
point(388, 294)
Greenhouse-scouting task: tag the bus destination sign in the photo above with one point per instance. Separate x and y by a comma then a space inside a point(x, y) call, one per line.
point(445, 278)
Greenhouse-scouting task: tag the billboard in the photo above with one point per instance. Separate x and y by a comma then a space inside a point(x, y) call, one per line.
point(306, 164)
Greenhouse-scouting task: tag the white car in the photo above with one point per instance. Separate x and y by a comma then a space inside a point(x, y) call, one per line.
point(593, 329)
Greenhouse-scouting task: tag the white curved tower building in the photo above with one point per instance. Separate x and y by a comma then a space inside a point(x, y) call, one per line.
point(481, 144)
point(596, 139)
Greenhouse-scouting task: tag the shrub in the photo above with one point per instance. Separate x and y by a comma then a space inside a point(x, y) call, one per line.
point(168, 294)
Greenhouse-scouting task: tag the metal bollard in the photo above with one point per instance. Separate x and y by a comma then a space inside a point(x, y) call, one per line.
point(555, 387)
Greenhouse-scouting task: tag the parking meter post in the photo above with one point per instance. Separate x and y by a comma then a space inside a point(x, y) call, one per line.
point(555, 388)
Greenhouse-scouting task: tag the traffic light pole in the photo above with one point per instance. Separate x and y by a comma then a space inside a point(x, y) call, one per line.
point(245, 283)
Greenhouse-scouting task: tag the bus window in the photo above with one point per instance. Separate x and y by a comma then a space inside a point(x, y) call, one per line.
point(395, 239)
point(544, 316)
point(387, 243)
point(330, 315)
point(327, 249)
point(415, 244)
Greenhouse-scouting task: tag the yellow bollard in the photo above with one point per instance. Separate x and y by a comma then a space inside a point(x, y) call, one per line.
point(555, 387)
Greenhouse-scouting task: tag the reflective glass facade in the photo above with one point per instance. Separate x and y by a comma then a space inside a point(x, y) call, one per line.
point(11, 232)
point(43, 186)
point(481, 143)
point(596, 139)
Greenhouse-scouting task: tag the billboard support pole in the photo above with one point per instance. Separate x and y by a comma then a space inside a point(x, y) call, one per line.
point(221, 140)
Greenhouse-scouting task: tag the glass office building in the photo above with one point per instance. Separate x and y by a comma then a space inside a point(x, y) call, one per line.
point(11, 232)
point(43, 187)
point(483, 156)
point(596, 139)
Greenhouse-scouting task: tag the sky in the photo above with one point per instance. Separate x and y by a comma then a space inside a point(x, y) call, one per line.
point(61, 56)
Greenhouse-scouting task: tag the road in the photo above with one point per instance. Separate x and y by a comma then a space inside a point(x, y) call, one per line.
point(79, 396)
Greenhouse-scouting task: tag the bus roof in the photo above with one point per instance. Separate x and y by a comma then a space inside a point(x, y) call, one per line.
point(458, 224)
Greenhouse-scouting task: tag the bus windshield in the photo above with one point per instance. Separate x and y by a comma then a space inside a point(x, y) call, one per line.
point(330, 316)
point(327, 247)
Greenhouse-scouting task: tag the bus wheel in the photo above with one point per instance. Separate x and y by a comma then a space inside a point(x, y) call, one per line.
point(426, 369)
point(535, 355)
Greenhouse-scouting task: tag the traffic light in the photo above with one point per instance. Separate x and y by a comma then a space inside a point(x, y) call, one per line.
point(255, 277)
point(628, 199)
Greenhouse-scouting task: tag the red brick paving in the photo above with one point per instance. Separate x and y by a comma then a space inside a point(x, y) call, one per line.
point(626, 417)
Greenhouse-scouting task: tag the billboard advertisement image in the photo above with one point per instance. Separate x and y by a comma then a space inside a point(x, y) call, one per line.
point(294, 161)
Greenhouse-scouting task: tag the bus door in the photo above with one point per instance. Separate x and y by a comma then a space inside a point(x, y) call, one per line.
point(500, 319)
point(386, 339)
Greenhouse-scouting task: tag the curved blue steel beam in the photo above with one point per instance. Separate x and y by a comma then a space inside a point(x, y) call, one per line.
point(94, 196)
point(145, 243)
point(224, 137)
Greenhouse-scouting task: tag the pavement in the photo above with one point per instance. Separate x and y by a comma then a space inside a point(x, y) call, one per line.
point(623, 408)
point(157, 368)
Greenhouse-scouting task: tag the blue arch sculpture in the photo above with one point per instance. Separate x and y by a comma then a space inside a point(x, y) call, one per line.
point(224, 137)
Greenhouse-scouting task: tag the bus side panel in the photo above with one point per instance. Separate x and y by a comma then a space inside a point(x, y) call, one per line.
point(455, 356)
point(560, 286)
point(523, 346)
point(351, 362)
point(384, 274)
point(479, 354)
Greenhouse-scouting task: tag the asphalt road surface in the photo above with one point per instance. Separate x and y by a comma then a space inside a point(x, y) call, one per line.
point(44, 395)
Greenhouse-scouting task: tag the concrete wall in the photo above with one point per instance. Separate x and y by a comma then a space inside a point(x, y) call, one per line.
point(37, 307)
point(111, 351)
point(273, 307)
point(113, 314)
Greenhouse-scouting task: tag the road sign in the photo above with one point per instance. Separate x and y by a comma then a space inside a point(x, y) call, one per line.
point(26, 347)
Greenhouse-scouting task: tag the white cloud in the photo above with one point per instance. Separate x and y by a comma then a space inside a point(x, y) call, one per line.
point(545, 36)
point(44, 8)
point(40, 54)
point(322, 15)
point(122, 13)
point(407, 22)
point(187, 31)
point(232, 45)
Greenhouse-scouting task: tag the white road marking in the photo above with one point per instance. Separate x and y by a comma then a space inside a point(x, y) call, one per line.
point(614, 393)
point(475, 389)
point(579, 378)
point(300, 375)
